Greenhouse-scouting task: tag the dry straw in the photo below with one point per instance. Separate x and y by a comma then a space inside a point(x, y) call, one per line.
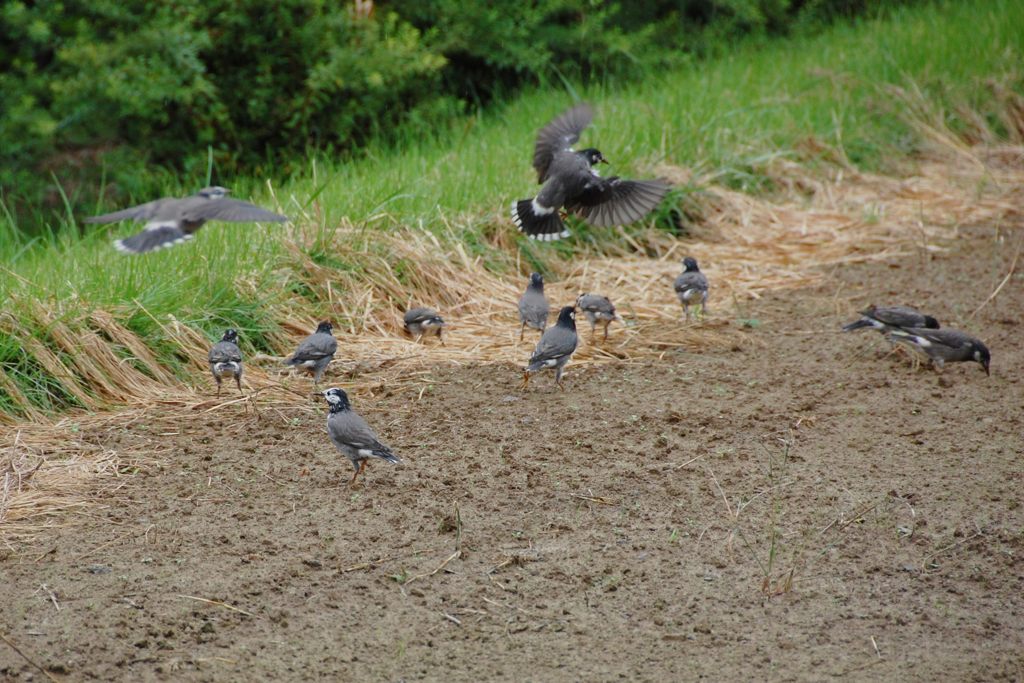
point(750, 247)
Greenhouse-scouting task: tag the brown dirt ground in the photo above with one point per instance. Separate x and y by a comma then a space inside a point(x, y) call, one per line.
point(796, 508)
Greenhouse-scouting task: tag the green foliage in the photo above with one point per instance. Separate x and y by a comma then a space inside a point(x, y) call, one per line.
point(723, 117)
point(124, 98)
point(107, 88)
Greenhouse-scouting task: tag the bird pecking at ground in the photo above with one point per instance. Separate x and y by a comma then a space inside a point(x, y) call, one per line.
point(943, 346)
point(420, 321)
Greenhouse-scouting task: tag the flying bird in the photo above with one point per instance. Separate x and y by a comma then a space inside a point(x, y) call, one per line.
point(692, 287)
point(887, 318)
point(569, 179)
point(171, 221)
point(315, 352)
point(226, 359)
point(533, 306)
point(555, 347)
point(420, 321)
point(944, 345)
point(597, 308)
point(350, 434)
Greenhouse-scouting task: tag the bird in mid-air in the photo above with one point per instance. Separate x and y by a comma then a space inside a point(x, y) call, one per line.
point(944, 345)
point(569, 180)
point(226, 359)
point(351, 435)
point(171, 220)
point(555, 347)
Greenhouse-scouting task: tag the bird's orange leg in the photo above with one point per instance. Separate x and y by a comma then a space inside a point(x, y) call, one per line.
point(362, 466)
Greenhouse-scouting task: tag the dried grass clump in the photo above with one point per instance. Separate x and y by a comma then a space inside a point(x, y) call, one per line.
point(761, 244)
point(47, 469)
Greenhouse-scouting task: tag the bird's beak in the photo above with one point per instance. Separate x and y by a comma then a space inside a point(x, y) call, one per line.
point(987, 373)
point(603, 160)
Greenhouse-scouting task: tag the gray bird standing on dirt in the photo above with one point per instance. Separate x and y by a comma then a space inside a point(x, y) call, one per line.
point(420, 321)
point(597, 308)
point(315, 352)
point(945, 345)
point(351, 435)
point(887, 318)
point(569, 179)
point(226, 359)
point(555, 347)
point(692, 287)
point(171, 221)
point(533, 306)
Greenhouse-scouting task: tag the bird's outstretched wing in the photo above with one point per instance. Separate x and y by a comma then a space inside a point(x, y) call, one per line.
point(141, 212)
point(614, 201)
point(558, 135)
point(229, 210)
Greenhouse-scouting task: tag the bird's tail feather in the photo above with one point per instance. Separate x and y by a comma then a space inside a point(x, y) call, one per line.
point(385, 454)
point(151, 239)
point(856, 325)
point(545, 227)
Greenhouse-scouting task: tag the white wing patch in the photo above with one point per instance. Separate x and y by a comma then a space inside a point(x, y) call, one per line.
point(551, 236)
point(156, 225)
point(539, 209)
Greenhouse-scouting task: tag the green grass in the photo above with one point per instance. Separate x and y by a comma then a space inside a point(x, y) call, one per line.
point(725, 117)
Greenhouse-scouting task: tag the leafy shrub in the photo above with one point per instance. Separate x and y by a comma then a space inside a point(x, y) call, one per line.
point(133, 94)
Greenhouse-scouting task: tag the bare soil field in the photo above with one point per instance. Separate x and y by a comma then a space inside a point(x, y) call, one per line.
point(799, 507)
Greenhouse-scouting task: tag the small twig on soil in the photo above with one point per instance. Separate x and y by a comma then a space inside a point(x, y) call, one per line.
point(875, 645)
point(219, 604)
point(689, 462)
point(109, 543)
point(594, 499)
point(455, 555)
point(721, 493)
point(854, 518)
point(53, 598)
point(970, 538)
point(504, 563)
point(27, 658)
point(452, 619)
point(1013, 266)
point(381, 560)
